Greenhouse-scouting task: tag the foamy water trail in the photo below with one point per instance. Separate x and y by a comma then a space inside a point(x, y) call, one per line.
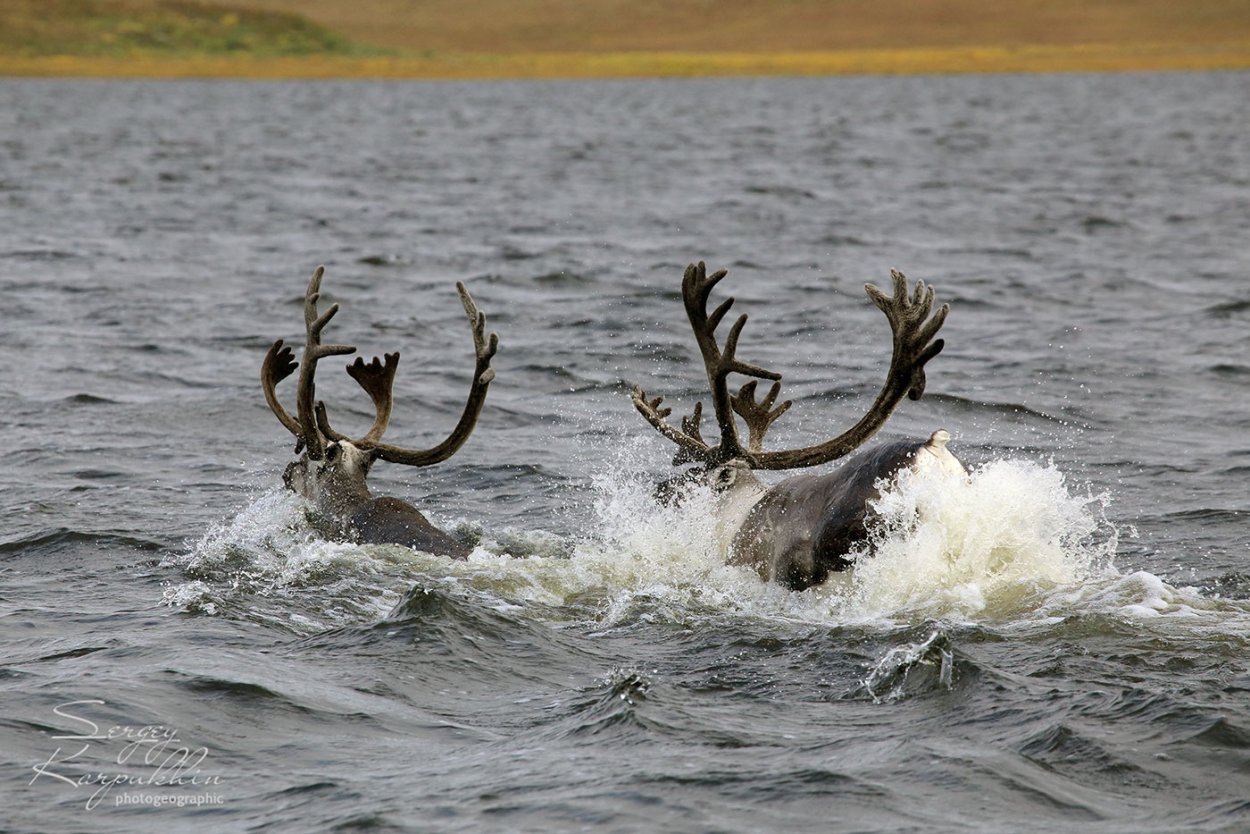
point(1014, 542)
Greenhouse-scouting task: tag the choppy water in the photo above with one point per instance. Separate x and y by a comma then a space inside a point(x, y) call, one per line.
point(1062, 644)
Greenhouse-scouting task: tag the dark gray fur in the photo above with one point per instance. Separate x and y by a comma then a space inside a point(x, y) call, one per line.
point(392, 521)
point(804, 527)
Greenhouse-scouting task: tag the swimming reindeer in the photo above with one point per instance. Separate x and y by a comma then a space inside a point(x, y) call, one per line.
point(799, 530)
point(331, 472)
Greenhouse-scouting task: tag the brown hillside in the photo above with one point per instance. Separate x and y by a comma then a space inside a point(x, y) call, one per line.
point(509, 26)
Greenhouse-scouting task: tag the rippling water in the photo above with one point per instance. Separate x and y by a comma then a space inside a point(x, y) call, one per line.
point(1063, 643)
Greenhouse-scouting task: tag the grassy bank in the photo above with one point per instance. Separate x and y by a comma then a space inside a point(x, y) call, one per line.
point(1088, 58)
point(613, 38)
point(112, 30)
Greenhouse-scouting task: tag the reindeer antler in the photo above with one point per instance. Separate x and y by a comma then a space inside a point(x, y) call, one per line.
point(377, 379)
point(280, 363)
point(306, 393)
point(913, 347)
point(696, 288)
point(691, 444)
point(758, 415)
point(484, 348)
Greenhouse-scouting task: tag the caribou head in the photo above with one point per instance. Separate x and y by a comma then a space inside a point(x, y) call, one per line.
point(332, 469)
point(798, 530)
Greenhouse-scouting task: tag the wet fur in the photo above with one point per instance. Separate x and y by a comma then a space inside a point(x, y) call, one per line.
point(802, 528)
point(392, 521)
point(336, 489)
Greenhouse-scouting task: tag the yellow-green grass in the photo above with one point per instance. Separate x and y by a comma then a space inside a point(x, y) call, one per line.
point(1087, 58)
point(112, 29)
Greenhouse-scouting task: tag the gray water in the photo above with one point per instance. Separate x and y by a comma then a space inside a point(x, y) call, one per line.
point(1060, 643)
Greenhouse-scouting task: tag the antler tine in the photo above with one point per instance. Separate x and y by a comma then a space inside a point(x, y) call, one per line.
point(323, 423)
point(484, 348)
point(278, 365)
point(913, 328)
point(378, 380)
point(690, 444)
point(696, 288)
point(912, 334)
point(314, 351)
point(758, 415)
point(690, 425)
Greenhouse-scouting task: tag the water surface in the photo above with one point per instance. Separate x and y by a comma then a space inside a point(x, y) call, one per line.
point(1062, 644)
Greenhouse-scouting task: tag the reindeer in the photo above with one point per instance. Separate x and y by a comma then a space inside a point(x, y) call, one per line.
point(796, 532)
point(332, 470)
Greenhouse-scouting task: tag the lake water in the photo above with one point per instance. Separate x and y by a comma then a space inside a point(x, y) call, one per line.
point(1062, 644)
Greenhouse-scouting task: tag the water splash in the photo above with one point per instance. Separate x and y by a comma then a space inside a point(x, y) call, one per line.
point(1014, 542)
point(992, 545)
point(267, 564)
point(912, 668)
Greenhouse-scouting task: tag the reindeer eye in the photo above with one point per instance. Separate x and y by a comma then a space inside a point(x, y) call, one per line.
point(332, 452)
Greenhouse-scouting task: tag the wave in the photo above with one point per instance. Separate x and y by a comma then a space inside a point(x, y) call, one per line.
point(965, 405)
point(89, 399)
point(41, 255)
point(44, 543)
point(1228, 309)
point(388, 259)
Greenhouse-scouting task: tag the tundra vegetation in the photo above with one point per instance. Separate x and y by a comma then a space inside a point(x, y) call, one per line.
point(613, 38)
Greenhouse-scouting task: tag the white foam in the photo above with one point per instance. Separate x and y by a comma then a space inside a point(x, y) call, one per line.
point(1013, 542)
point(987, 546)
point(268, 550)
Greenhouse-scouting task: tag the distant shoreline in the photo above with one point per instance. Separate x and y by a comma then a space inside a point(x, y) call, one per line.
point(556, 65)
